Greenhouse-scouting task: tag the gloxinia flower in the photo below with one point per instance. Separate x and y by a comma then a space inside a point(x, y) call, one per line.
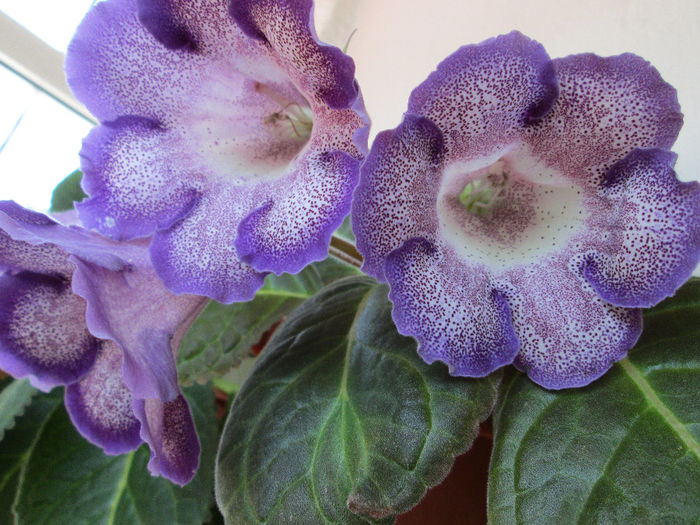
point(526, 208)
point(80, 310)
point(230, 133)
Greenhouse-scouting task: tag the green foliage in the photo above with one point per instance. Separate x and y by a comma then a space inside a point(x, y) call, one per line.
point(622, 450)
point(223, 334)
point(345, 231)
point(49, 474)
point(15, 395)
point(67, 193)
point(341, 421)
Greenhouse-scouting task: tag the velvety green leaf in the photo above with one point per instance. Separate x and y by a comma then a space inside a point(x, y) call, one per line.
point(18, 445)
point(622, 450)
point(340, 420)
point(67, 193)
point(223, 334)
point(64, 479)
point(345, 231)
point(15, 395)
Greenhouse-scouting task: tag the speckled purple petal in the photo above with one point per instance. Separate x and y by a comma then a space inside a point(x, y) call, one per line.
point(34, 242)
point(568, 335)
point(169, 430)
point(99, 404)
point(454, 311)
point(197, 255)
point(117, 68)
point(295, 226)
point(160, 18)
point(483, 95)
point(319, 69)
point(127, 198)
point(655, 220)
point(398, 185)
point(42, 330)
point(606, 107)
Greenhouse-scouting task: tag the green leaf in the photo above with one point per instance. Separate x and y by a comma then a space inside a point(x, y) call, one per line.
point(54, 476)
point(345, 231)
point(19, 444)
point(16, 394)
point(67, 193)
point(223, 334)
point(341, 421)
point(622, 450)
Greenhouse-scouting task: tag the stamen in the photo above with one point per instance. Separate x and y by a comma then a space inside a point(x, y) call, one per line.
point(481, 195)
point(299, 119)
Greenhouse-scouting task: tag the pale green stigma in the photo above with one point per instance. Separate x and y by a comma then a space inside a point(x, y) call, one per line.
point(479, 196)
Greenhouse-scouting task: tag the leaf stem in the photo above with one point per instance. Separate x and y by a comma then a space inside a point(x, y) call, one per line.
point(345, 251)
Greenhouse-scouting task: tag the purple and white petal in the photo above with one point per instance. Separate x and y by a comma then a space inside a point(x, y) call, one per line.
point(398, 185)
point(654, 224)
point(169, 430)
point(295, 226)
point(454, 311)
point(117, 68)
point(128, 199)
point(42, 330)
point(568, 335)
point(33, 242)
point(323, 72)
point(606, 108)
point(197, 255)
point(99, 404)
point(482, 96)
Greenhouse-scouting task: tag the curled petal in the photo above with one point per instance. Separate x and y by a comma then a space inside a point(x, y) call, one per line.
point(321, 70)
point(483, 95)
point(169, 430)
point(656, 223)
point(99, 404)
point(606, 108)
point(35, 243)
point(197, 255)
point(127, 199)
point(161, 20)
point(453, 310)
point(42, 330)
point(149, 83)
point(133, 309)
point(398, 182)
point(296, 225)
point(569, 336)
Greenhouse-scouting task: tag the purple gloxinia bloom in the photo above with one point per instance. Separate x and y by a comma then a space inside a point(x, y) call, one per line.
point(229, 132)
point(526, 209)
point(80, 310)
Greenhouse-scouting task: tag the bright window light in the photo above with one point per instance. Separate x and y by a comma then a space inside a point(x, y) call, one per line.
point(53, 22)
point(39, 142)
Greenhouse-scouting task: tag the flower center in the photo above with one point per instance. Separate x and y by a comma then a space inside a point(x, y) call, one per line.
point(481, 195)
point(507, 210)
point(246, 131)
point(293, 121)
